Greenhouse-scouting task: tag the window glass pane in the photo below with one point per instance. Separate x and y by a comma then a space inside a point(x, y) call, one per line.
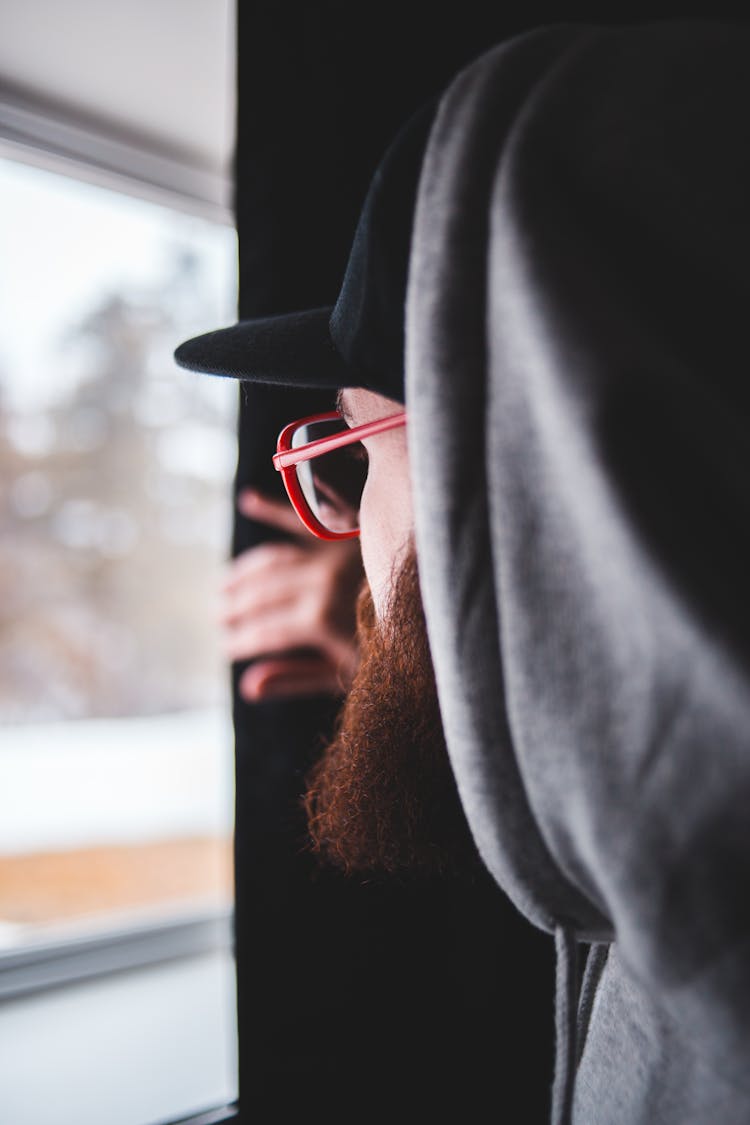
point(115, 494)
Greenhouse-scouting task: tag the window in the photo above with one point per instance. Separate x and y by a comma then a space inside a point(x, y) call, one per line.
point(115, 494)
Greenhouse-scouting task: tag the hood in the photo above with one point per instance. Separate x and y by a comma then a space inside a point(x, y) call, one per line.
point(576, 381)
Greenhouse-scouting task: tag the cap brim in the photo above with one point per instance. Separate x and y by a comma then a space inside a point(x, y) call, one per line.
point(291, 350)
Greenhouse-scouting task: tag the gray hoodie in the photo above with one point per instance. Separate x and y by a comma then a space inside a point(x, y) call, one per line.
point(578, 387)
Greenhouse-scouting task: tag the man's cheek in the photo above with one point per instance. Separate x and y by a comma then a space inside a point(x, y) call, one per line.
point(374, 541)
point(382, 559)
point(378, 574)
point(386, 525)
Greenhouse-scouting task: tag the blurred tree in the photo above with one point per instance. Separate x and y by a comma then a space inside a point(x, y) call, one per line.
point(115, 519)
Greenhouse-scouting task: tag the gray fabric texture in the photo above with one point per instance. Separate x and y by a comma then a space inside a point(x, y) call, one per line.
point(577, 381)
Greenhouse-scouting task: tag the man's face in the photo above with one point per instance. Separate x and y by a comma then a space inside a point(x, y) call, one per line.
point(385, 516)
point(383, 798)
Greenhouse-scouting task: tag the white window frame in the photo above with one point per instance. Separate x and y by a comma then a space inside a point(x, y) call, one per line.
point(35, 132)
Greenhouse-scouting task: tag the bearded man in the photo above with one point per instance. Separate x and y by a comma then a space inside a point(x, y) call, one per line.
point(540, 350)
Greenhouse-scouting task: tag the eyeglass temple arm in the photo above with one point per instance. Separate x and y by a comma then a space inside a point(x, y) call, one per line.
point(285, 458)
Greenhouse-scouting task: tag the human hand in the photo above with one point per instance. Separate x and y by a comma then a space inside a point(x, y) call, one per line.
point(290, 608)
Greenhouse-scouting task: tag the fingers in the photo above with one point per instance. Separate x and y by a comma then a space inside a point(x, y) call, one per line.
point(263, 577)
point(296, 607)
point(275, 632)
point(310, 591)
point(279, 597)
point(276, 577)
point(289, 677)
point(275, 513)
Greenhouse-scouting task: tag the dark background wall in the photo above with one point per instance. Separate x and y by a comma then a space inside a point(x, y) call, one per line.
point(355, 998)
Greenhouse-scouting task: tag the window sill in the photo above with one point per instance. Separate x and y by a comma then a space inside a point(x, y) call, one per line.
point(52, 963)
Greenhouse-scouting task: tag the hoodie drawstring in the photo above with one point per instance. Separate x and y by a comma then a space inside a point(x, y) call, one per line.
point(574, 1001)
point(566, 1022)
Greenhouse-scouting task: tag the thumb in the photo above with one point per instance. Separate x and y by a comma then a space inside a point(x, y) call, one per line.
point(276, 513)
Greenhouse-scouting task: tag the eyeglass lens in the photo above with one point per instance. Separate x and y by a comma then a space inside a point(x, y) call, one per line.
point(332, 483)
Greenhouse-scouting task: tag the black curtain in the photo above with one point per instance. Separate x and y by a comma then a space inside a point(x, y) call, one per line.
point(355, 998)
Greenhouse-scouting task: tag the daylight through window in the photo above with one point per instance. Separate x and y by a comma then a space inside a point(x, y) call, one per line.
point(115, 490)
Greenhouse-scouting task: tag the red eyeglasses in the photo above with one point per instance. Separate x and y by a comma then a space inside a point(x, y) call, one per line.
point(324, 468)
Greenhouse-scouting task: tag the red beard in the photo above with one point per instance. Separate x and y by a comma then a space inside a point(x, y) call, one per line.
point(383, 799)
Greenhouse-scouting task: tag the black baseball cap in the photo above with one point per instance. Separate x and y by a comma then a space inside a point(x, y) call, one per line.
point(359, 341)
